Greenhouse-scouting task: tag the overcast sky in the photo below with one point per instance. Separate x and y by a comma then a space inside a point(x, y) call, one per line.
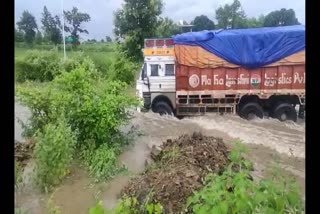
point(101, 11)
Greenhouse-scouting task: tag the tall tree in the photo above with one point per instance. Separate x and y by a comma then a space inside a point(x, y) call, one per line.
point(108, 39)
point(18, 35)
point(281, 17)
point(51, 27)
point(38, 38)
point(28, 25)
point(75, 18)
point(202, 23)
point(135, 21)
point(166, 28)
point(231, 16)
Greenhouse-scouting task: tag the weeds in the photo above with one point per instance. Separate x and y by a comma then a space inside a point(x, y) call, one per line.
point(17, 174)
point(101, 161)
point(235, 192)
point(38, 65)
point(128, 205)
point(53, 153)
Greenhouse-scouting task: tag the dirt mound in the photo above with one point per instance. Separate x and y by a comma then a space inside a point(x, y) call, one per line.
point(178, 170)
point(23, 151)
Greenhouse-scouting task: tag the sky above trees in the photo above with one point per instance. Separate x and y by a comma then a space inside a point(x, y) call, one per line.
point(101, 11)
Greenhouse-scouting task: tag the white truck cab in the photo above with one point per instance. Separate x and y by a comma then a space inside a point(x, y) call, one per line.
point(156, 84)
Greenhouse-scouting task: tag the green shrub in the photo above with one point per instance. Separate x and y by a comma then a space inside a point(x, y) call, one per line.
point(235, 192)
point(38, 66)
point(101, 161)
point(123, 69)
point(53, 153)
point(17, 173)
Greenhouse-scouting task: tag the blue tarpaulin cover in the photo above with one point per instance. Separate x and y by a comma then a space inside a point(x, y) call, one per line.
point(250, 48)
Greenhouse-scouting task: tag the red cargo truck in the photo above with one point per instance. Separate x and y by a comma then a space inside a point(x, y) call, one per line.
point(188, 80)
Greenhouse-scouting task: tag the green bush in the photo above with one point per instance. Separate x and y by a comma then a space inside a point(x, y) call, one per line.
point(234, 192)
point(38, 66)
point(103, 62)
point(101, 161)
point(53, 153)
point(123, 69)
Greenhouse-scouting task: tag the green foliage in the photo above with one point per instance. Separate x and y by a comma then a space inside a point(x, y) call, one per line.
point(53, 153)
point(18, 35)
point(75, 18)
point(38, 65)
point(281, 17)
point(166, 28)
point(135, 21)
point(230, 16)
point(17, 173)
point(97, 112)
point(97, 209)
point(235, 192)
point(45, 65)
point(128, 205)
point(202, 23)
point(108, 39)
point(122, 69)
point(51, 26)
point(28, 25)
point(38, 38)
point(101, 161)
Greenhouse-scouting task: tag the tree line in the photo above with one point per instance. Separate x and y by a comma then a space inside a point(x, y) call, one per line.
point(29, 32)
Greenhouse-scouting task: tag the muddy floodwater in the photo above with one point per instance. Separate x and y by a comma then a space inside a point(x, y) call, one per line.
point(267, 140)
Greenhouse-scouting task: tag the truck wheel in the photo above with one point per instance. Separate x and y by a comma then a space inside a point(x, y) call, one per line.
point(250, 111)
point(162, 108)
point(285, 111)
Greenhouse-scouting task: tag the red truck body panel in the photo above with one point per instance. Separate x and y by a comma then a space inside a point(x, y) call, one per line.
point(289, 79)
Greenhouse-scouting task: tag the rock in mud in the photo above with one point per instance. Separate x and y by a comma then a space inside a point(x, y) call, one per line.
point(178, 170)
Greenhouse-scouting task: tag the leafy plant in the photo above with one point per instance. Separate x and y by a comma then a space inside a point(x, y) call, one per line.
point(97, 209)
point(101, 161)
point(94, 108)
point(38, 65)
point(53, 153)
point(235, 192)
point(17, 173)
point(122, 69)
point(128, 205)
point(97, 112)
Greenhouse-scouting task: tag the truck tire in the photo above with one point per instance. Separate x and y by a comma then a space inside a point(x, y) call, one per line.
point(251, 110)
point(285, 111)
point(162, 108)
